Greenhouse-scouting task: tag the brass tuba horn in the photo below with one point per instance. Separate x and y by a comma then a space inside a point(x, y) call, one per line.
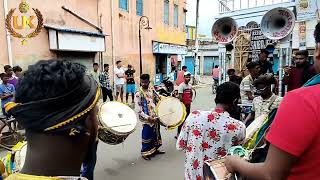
point(277, 23)
point(224, 30)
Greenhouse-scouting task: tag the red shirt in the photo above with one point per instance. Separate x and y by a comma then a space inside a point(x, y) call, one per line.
point(180, 77)
point(215, 72)
point(296, 130)
point(295, 79)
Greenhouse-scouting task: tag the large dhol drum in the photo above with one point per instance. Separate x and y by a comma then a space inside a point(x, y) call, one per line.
point(171, 112)
point(117, 122)
point(15, 159)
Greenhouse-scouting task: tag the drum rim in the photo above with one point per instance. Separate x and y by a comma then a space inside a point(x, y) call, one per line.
point(104, 127)
point(183, 116)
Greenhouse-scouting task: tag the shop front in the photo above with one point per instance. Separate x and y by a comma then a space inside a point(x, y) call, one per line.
point(76, 45)
point(169, 59)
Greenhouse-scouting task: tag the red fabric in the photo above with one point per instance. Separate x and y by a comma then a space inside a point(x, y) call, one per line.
point(295, 80)
point(180, 78)
point(295, 130)
point(215, 72)
point(187, 97)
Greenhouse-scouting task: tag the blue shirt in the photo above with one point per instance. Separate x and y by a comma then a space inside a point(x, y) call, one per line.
point(9, 89)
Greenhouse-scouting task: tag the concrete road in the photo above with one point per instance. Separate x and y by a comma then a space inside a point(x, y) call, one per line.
point(123, 161)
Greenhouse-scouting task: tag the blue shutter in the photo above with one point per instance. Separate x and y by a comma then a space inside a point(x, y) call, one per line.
point(139, 6)
point(123, 4)
point(175, 16)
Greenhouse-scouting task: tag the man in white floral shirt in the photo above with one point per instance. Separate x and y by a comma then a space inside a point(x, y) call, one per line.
point(209, 134)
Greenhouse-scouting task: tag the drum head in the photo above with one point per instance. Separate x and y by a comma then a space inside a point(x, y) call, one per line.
point(171, 112)
point(117, 117)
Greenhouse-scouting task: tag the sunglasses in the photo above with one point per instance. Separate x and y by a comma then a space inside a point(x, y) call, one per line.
point(257, 89)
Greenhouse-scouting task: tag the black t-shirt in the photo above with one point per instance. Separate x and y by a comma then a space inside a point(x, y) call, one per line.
point(129, 73)
point(235, 79)
point(265, 67)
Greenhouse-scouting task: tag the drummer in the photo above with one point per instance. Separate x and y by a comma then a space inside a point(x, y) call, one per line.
point(209, 134)
point(294, 135)
point(55, 103)
point(145, 102)
point(185, 95)
point(266, 101)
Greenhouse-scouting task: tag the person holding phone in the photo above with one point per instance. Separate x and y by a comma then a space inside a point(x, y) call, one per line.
point(296, 76)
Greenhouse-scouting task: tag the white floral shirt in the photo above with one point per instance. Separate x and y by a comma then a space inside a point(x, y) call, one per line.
point(207, 135)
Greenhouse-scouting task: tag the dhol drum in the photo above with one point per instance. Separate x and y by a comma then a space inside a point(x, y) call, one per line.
point(216, 170)
point(15, 159)
point(171, 112)
point(117, 122)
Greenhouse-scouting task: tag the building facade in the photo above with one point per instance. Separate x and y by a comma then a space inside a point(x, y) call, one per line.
point(208, 55)
point(100, 31)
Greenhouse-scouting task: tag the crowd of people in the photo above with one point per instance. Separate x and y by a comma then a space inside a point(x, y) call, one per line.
point(55, 101)
point(291, 144)
point(8, 85)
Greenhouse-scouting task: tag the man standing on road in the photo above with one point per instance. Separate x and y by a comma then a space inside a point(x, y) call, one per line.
point(95, 73)
point(207, 135)
point(146, 100)
point(119, 80)
point(296, 76)
point(185, 95)
point(131, 85)
point(294, 135)
point(180, 75)
point(246, 86)
point(105, 83)
point(215, 74)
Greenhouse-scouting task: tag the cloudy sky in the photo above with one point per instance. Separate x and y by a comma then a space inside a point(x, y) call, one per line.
point(209, 8)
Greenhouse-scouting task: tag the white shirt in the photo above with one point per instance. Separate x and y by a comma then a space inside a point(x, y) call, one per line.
point(246, 86)
point(120, 72)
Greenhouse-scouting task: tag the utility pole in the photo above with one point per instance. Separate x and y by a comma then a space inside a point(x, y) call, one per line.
point(196, 45)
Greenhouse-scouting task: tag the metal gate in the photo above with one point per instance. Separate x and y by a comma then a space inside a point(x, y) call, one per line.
point(189, 63)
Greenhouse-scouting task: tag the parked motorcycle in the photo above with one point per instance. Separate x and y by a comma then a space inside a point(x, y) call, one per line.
point(165, 88)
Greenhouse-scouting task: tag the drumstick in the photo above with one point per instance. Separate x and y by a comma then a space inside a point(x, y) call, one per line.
point(166, 114)
point(120, 125)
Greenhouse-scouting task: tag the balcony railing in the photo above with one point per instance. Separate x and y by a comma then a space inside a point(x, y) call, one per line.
point(234, 5)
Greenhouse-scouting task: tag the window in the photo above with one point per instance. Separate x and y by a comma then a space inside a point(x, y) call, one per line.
point(123, 4)
point(176, 16)
point(166, 12)
point(139, 6)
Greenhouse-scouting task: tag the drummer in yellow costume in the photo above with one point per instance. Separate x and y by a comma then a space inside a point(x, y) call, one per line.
point(145, 101)
point(55, 103)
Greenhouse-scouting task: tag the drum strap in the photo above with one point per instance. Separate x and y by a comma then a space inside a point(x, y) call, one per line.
point(146, 99)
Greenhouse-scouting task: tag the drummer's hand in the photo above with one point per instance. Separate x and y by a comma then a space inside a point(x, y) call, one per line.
point(152, 119)
point(229, 163)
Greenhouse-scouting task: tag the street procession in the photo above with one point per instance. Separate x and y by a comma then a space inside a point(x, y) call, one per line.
point(160, 89)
